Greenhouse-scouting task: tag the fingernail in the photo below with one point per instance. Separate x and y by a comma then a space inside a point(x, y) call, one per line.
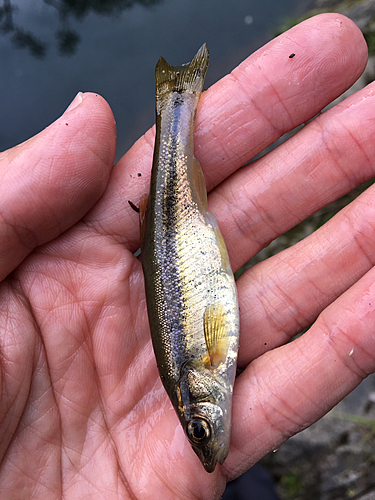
point(76, 101)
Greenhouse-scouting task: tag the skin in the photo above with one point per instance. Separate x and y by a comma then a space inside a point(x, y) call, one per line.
point(83, 413)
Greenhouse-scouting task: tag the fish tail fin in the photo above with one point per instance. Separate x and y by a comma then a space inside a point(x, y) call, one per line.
point(186, 78)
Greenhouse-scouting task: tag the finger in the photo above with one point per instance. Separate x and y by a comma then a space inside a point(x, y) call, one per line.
point(267, 95)
point(50, 181)
point(270, 93)
point(283, 295)
point(328, 158)
point(289, 388)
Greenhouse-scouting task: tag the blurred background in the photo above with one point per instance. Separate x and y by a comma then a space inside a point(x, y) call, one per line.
point(51, 49)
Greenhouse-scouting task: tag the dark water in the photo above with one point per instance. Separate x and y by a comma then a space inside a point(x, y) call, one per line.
point(51, 49)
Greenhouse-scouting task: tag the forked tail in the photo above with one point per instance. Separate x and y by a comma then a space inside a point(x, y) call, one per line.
point(186, 78)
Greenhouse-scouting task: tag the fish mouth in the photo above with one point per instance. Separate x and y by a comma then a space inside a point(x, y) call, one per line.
point(214, 457)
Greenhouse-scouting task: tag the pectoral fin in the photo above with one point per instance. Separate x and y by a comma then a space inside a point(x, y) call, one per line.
point(216, 333)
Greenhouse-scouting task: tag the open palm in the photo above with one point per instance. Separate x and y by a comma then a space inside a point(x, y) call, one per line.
point(83, 413)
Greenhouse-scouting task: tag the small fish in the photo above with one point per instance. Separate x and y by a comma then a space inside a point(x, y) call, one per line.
point(191, 294)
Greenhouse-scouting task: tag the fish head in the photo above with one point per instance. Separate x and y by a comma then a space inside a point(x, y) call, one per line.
point(208, 433)
point(204, 408)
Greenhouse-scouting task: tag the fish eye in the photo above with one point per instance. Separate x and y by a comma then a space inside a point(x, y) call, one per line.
point(198, 431)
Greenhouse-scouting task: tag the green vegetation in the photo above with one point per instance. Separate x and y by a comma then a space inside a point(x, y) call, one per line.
point(365, 421)
point(292, 485)
point(370, 40)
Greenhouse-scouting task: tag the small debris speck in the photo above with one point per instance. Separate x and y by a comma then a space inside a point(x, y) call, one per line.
point(139, 174)
point(291, 56)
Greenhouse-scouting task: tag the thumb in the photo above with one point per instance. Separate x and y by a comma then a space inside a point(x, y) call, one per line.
point(50, 181)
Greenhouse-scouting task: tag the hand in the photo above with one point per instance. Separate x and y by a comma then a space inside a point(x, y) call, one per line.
point(83, 412)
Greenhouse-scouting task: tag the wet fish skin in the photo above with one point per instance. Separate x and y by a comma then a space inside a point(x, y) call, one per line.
point(190, 290)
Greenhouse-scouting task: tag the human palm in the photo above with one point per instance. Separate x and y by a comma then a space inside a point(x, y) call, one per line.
point(83, 413)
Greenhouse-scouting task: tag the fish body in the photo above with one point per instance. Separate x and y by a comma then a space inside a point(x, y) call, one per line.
point(190, 290)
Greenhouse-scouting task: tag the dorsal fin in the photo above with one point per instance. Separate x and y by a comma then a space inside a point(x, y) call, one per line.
point(199, 185)
point(216, 333)
point(211, 219)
